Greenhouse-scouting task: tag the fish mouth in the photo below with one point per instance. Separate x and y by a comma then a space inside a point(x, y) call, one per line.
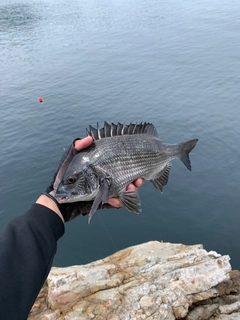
point(61, 197)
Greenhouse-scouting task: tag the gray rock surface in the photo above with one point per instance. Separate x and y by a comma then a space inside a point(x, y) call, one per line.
point(153, 280)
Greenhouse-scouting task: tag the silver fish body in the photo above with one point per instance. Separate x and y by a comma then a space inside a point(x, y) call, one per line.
point(118, 155)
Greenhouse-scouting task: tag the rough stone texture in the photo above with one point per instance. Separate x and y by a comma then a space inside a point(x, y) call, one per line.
point(150, 281)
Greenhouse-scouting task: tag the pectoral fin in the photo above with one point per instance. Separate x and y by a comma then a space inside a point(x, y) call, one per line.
point(131, 201)
point(101, 197)
point(162, 178)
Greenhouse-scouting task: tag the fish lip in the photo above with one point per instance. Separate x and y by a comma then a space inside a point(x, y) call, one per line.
point(61, 197)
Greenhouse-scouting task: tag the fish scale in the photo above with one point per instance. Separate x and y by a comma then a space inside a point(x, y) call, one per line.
point(118, 155)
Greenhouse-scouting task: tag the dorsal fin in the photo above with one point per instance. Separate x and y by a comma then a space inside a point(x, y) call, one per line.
point(110, 130)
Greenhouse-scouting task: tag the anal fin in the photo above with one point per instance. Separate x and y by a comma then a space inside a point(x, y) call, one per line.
point(162, 178)
point(131, 201)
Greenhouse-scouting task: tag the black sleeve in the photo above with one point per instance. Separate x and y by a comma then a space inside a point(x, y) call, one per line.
point(27, 248)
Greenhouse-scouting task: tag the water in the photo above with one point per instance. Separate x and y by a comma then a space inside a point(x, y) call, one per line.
point(172, 63)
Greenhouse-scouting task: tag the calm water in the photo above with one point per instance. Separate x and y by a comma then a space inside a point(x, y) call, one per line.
point(173, 63)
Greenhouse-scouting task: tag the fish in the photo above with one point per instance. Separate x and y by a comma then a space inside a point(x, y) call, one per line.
point(118, 155)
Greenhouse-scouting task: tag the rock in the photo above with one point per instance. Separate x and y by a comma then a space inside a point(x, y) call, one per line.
point(202, 312)
point(234, 316)
point(230, 286)
point(154, 280)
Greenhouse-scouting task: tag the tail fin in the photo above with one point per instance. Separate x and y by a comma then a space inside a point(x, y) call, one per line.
point(185, 149)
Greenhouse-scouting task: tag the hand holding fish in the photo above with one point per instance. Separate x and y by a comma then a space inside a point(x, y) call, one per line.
point(113, 157)
point(68, 211)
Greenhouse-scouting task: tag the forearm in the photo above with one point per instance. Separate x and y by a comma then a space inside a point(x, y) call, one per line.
point(27, 248)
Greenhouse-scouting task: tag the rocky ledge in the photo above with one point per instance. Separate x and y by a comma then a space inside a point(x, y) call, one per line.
point(153, 280)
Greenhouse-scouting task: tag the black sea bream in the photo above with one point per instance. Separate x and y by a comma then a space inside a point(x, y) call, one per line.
point(118, 155)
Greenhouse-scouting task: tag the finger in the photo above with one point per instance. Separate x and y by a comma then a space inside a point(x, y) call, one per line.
point(138, 182)
point(114, 202)
point(84, 143)
point(132, 187)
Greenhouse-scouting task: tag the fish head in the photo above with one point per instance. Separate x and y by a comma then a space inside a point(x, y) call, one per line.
point(77, 186)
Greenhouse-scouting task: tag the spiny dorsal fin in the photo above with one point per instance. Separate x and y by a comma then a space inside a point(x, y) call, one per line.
point(110, 130)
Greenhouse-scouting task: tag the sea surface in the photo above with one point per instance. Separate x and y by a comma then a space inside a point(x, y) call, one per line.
point(173, 63)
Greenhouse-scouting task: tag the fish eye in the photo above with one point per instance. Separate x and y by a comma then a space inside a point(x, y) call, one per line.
point(71, 180)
